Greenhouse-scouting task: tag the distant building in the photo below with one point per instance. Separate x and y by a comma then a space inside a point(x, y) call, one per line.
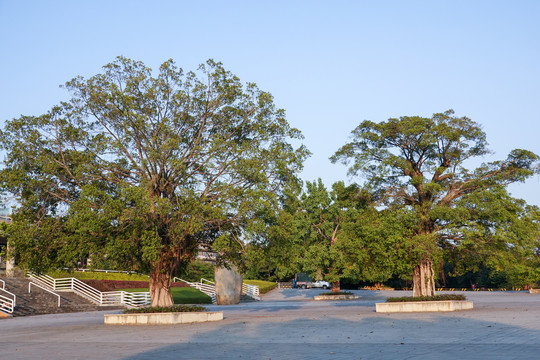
point(208, 256)
point(205, 253)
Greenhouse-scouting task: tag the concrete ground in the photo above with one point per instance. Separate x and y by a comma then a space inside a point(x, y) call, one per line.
point(289, 324)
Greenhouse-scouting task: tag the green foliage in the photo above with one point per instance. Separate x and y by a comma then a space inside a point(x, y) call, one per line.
point(381, 245)
point(497, 234)
point(332, 235)
point(304, 236)
point(196, 270)
point(136, 169)
point(4, 232)
point(416, 166)
point(445, 297)
point(165, 309)
point(261, 262)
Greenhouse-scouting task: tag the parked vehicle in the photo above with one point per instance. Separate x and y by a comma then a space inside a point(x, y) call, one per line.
point(304, 281)
point(321, 284)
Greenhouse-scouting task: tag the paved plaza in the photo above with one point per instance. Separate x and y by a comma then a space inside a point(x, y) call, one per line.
point(289, 324)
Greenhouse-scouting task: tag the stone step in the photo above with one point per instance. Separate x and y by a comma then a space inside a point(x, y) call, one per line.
point(39, 301)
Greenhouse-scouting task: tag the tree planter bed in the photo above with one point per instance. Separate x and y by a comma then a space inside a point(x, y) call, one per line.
point(170, 318)
point(336, 297)
point(424, 306)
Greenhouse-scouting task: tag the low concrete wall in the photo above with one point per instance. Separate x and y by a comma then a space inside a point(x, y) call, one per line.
point(336, 297)
point(534, 291)
point(163, 318)
point(424, 306)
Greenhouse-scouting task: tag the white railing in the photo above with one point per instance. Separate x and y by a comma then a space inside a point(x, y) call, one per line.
point(82, 289)
point(209, 288)
point(252, 291)
point(130, 299)
point(44, 280)
point(136, 299)
point(43, 288)
point(7, 304)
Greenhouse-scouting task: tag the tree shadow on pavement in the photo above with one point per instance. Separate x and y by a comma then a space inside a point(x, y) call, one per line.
point(359, 337)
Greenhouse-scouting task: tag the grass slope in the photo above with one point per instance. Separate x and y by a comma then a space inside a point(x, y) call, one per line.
point(183, 295)
point(264, 286)
point(91, 275)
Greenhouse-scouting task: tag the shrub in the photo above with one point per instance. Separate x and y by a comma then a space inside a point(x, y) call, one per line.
point(337, 293)
point(427, 298)
point(165, 309)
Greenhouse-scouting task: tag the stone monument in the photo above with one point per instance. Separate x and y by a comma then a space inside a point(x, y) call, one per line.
point(228, 285)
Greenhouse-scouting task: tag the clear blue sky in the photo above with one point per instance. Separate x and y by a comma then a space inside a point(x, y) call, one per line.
point(330, 64)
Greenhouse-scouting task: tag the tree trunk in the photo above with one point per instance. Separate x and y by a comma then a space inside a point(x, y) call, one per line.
point(423, 279)
point(160, 287)
point(10, 261)
point(336, 287)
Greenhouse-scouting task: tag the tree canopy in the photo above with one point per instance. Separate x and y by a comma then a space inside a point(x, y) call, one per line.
point(496, 232)
point(333, 234)
point(140, 169)
point(418, 165)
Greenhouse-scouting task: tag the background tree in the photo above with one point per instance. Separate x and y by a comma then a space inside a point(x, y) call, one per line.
point(332, 235)
point(496, 234)
point(276, 255)
point(418, 164)
point(323, 217)
point(141, 169)
point(306, 235)
point(377, 248)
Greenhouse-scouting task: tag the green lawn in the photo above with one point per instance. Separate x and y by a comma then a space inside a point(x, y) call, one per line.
point(264, 286)
point(95, 275)
point(183, 295)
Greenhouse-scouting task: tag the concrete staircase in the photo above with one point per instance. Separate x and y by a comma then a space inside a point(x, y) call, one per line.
point(40, 302)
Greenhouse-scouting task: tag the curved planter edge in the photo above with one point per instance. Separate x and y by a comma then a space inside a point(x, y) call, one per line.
point(336, 297)
point(170, 318)
point(424, 306)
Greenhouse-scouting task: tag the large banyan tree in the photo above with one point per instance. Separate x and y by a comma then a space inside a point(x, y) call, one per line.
point(140, 169)
point(419, 164)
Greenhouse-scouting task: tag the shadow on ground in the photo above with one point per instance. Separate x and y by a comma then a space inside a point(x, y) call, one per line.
point(441, 337)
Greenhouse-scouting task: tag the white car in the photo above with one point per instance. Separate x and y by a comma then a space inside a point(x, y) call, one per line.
point(321, 284)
